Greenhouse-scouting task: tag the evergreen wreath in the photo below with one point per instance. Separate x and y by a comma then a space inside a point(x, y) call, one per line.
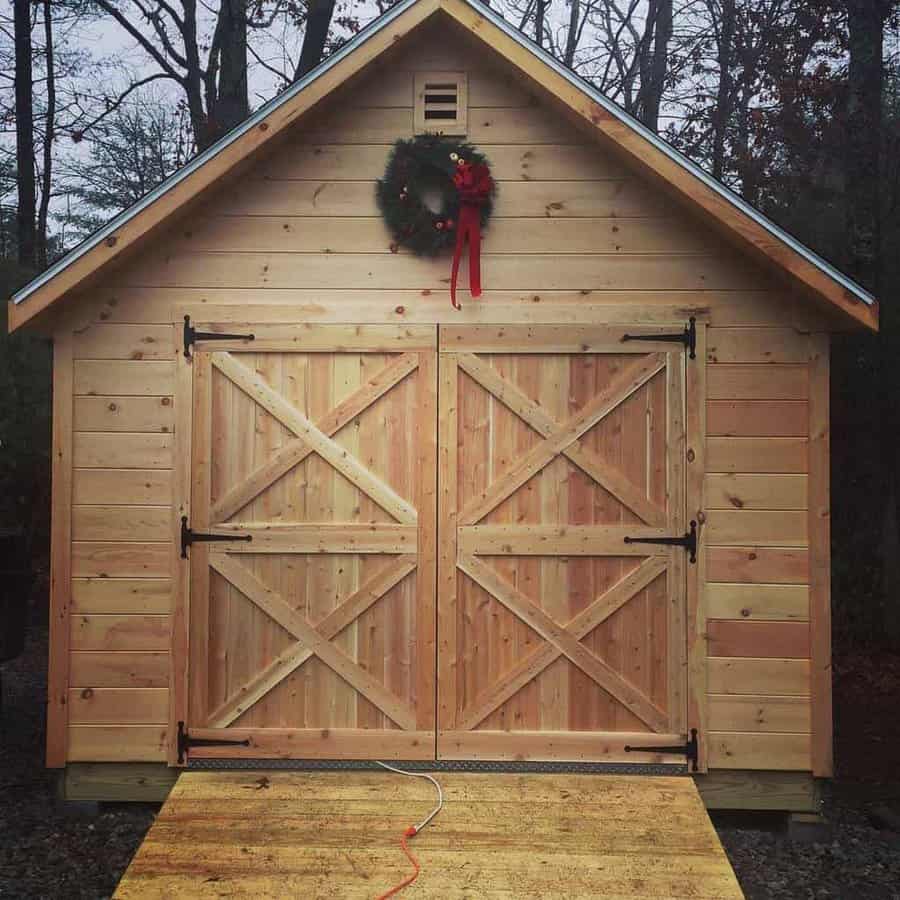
point(414, 166)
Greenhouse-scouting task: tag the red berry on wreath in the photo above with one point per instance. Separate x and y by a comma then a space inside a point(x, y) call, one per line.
point(449, 223)
point(439, 225)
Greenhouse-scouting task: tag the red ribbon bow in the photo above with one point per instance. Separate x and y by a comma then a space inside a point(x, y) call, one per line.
point(474, 183)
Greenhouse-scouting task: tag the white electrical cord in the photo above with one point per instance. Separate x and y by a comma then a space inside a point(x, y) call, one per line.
point(437, 787)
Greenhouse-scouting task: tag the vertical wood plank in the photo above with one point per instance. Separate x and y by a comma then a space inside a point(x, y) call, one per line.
point(675, 446)
point(553, 683)
point(60, 553)
point(270, 436)
point(345, 573)
point(201, 454)
point(181, 570)
point(820, 556)
point(696, 598)
point(426, 447)
point(235, 440)
point(447, 594)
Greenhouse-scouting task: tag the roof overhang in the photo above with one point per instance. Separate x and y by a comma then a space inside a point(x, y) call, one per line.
point(741, 223)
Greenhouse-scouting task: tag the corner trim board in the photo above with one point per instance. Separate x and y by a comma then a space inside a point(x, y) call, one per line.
point(60, 552)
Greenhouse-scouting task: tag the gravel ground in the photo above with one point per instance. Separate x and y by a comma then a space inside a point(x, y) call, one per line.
point(857, 860)
point(47, 852)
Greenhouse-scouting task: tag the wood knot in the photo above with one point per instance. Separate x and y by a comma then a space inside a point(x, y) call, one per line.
point(111, 241)
point(87, 693)
point(400, 310)
point(263, 126)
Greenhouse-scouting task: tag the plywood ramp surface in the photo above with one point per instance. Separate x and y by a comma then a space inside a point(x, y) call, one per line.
point(335, 834)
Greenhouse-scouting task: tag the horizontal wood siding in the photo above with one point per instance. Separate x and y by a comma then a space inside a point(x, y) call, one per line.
point(117, 743)
point(123, 706)
point(576, 239)
point(757, 556)
point(123, 419)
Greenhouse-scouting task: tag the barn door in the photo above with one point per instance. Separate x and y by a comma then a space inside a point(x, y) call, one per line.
point(311, 633)
point(556, 638)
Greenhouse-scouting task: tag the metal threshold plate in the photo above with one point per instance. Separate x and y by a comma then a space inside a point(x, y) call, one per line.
point(442, 765)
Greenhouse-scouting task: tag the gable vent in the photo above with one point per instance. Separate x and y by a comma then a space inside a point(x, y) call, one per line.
point(441, 102)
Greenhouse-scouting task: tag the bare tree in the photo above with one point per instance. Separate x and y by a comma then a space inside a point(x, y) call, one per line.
point(215, 88)
point(49, 126)
point(654, 61)
point(865, 89)
point(540, 18)
point(25, 162)
point(723, 25)
point(130, 152)
point(318, 23)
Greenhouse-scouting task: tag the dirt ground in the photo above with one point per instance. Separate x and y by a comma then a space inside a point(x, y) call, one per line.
point(47, 851)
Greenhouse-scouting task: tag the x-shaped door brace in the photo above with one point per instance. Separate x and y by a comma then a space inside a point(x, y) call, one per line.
point(563, 438)
point(563, 640)
point(312, 641)
point(313, 437)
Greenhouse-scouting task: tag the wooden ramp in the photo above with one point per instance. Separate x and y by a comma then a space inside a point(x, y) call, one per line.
point(335, 834)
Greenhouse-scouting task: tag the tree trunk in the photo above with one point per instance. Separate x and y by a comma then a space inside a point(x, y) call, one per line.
point(318, 22)
point(539, 17)
point(655, 66)
point(863, 261)
point(193, 81)
point(49, 128)
point(27, 201)
point(232, 103)
point(722, 112)
point(747, 167)
point(864, 97)
point(572, 36)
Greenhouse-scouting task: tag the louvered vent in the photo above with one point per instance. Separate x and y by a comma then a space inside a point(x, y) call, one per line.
point(441, 102)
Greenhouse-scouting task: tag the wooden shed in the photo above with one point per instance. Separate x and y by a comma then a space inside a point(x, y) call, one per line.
point(426, 509)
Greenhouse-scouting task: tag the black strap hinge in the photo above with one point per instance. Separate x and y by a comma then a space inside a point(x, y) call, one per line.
point(688, 337)
point(690, 749)
point(189, 537)
point(185, 742)
point(689, 541)
point(191, 336)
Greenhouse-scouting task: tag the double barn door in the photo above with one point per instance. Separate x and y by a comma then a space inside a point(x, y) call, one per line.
point(428, 552)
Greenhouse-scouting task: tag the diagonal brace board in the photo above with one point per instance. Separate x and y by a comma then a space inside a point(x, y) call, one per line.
point(533, 616)
point(631, 379)
point(274, 606)
point(600, 470)
point(531, 665)
point(259, 390)
point(293, 657)
point(295, 451)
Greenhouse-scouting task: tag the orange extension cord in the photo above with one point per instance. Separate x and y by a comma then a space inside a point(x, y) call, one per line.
point(412, 831)
point(409, 833)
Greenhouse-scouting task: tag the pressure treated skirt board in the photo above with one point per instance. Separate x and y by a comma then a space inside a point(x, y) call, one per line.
point(335, 834)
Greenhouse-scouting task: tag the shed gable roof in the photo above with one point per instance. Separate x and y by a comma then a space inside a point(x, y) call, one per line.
point(740, 222)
